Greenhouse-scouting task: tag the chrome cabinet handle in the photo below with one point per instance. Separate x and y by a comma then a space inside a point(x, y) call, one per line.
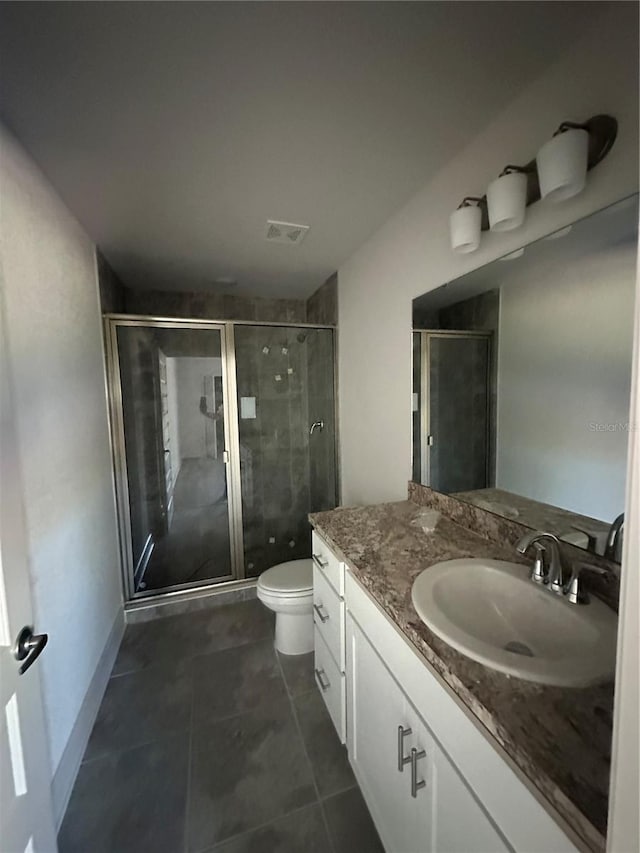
point(323, 686)
point(416, 784)
point(402, 758)
point(28, 647)
point(323, 617)
point(320, 563)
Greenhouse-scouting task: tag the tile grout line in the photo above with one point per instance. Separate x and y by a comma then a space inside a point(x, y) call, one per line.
point(224, 841)
point(340, 792)
point(143, 669)
point(306, 753)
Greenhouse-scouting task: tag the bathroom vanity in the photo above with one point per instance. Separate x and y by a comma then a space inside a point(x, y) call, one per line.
point(450, 755)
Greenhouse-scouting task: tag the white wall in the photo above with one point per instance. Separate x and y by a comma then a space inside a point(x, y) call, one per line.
point(56, 362)
point(192, 424)
point(564, 373)
point(410, 254)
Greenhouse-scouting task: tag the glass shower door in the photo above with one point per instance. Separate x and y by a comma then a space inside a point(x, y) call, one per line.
point(286, 421)
point(457, 367)
point(174, 424)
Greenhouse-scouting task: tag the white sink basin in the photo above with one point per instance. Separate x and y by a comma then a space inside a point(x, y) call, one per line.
point(492, 612)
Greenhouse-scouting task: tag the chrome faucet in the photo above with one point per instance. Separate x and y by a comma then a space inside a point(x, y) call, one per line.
point(613, 546)
point(575, 593)
point(316, 425)
point(549, 571)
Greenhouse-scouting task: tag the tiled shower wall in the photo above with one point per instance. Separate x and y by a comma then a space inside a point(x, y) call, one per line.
point(214, 306)
point(321, 407)
point(322, 306)
point(286, 473)
point(115, 298)
point(112, 291)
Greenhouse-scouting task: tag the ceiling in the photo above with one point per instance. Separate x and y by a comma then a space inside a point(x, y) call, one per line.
point(173, 131)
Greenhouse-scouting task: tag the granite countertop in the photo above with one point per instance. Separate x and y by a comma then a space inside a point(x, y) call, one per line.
point(559, 738)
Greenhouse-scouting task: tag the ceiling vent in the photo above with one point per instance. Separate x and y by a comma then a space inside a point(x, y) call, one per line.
point(285, 232)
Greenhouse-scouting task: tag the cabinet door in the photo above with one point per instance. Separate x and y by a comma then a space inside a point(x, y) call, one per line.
point(376, 708)
point(459, 823)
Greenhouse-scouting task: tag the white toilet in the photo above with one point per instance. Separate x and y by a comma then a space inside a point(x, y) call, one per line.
point(287, 589)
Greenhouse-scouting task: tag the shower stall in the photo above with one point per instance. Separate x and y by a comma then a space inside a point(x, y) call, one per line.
point(452, 448)
point(224, 440)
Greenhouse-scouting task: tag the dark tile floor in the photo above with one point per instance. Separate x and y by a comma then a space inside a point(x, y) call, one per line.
point(206, 740)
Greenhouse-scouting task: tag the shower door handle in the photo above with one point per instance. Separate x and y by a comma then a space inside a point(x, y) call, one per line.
point(225, 457)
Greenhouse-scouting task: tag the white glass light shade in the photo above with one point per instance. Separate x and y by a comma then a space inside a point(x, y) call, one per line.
point(507, 201)
point(464, 227)
point(562, 165)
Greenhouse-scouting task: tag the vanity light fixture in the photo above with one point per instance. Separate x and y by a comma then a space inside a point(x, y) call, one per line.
point(562, 162)
point(465, 225)
point(507, 199)
point(557, 173)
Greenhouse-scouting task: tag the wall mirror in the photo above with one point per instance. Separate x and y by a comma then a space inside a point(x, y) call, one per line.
point(521, 381)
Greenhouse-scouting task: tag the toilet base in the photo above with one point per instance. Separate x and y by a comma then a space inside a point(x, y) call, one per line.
point(294, 633)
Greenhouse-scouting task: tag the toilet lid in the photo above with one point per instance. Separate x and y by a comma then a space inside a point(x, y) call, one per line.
point(294, 576)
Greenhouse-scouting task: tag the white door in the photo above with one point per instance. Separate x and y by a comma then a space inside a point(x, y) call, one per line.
point(26, 815)
point(376, 710)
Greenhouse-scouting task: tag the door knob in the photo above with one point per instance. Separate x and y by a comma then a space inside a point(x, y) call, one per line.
point(28, 647)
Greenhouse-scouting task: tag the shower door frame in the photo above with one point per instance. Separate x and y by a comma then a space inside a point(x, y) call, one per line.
point(232, 445)
point(426, 336)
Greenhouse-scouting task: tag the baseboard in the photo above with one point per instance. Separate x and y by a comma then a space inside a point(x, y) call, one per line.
point(67, 770)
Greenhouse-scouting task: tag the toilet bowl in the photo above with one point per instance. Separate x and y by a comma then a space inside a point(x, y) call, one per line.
point(287, 589)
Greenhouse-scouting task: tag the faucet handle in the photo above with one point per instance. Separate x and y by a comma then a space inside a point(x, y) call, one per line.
point(574, 591)
point(538, 572)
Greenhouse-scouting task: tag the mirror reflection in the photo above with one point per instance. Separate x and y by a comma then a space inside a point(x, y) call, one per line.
point(521, 381)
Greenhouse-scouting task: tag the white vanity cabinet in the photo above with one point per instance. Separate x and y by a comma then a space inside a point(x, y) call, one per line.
point(471, 799)
point(461, 795)
point(379, 737)
point(416, 797)
point(329, 627)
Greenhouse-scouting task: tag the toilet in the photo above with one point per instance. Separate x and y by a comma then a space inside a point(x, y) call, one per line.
point(287, 589)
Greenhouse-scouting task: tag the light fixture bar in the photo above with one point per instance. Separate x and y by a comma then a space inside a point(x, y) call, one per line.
point(602, 130)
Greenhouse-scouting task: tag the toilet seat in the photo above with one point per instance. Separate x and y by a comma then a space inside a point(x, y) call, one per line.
point(293, 579)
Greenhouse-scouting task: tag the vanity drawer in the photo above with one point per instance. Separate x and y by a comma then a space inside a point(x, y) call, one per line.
point(326, 561)
point(328, 616)
point(331, 683)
